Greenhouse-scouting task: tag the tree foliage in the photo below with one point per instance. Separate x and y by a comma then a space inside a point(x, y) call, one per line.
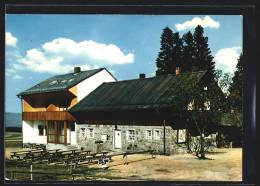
point(188, 53)
point(191, 52)
point(236, 87)
point(203, 58)
point(164, 61)
point(200, 104)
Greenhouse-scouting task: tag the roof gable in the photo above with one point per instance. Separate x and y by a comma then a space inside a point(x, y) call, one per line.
point(144, 93)
point(60, 82)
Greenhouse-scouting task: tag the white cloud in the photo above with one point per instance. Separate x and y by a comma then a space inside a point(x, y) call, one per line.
point(10, 40)
point(12, 73)
point(61, 55)
point(17, 77)
point(206, 22)
point(226, 59)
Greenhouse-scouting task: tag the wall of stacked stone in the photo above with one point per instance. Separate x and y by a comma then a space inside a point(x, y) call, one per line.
point(141, 143)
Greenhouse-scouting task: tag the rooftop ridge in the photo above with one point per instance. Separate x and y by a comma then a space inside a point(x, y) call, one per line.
point(60, 82)
point(185, 73)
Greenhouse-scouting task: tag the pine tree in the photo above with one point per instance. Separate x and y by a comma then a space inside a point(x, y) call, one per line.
point(170, 55)
point(202, 55)
point(237, 86)
point(177, 51)
point(164, 62)
point(188, 53)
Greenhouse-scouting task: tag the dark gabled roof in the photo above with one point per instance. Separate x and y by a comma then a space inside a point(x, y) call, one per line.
point(147, 93)
point(60, 82)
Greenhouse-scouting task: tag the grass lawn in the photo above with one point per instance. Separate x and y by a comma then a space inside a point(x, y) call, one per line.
point(13, 139)
point(13, 136)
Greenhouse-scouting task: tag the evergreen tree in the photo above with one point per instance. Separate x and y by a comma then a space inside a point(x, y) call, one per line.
point(170, 55)
point(202, 55)
point(177, 51)
point(188, 53)
point(164, 62)
point(237, 86)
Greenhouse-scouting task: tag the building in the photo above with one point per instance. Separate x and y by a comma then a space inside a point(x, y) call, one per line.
point(45, 116)
point(137, 115)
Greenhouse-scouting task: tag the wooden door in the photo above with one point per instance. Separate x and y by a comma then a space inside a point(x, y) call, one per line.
point(118, 139)
point(57, 132)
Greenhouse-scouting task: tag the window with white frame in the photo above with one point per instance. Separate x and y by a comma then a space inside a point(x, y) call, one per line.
point(131, 135)
point(157, 134)
point(181, 135)
point(83, 133)
point(148, 134)
point(86, 132)
point(90, 133)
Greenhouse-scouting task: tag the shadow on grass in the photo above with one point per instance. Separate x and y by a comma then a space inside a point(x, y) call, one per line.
point(212, 153)
point(200, 158)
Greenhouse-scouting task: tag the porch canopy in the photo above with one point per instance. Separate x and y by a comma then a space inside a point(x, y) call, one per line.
point(140, 100)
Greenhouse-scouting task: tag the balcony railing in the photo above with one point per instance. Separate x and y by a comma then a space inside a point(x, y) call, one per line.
point(49, 115)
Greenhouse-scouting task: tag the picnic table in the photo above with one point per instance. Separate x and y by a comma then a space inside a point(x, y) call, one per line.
point(35, 146)
point(26, 154)
point(83, 156)
point(58, 156)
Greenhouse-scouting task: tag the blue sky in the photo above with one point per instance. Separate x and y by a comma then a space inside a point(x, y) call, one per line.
point(41, 46)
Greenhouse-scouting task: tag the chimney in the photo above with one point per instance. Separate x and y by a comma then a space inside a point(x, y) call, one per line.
point(141, 76)
point(177, 70)
point(76, 70)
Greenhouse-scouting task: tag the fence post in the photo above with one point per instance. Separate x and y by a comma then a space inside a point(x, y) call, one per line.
point(31, 172)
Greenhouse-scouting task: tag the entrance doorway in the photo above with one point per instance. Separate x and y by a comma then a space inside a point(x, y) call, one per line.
point(57, 132)
point(118, 139)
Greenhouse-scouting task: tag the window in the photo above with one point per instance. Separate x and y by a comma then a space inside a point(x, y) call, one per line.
point(83, 132)
point(55, 82)
point(86, 132)
point(148, 134)
point(41, 129)
point(181, 135)
point(157, 134)
point(207, 105)
point(90, 133)
point(131, 135)
point(62, 108)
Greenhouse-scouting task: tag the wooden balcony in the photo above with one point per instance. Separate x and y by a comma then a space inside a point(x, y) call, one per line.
point(49, 115)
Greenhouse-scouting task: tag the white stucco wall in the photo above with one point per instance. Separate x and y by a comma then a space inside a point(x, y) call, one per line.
point(31, 132)
point(87, 86)
point(68, 135)
point(27, 129)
